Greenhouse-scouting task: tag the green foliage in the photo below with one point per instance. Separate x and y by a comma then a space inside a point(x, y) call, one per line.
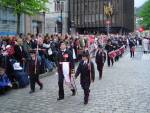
point(29, 7)
point(145, 14)
point(137, 11)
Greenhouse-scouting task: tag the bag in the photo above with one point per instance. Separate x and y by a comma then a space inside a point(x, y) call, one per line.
point(22, 78)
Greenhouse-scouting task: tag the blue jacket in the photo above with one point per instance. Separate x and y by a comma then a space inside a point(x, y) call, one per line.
point(4, 81)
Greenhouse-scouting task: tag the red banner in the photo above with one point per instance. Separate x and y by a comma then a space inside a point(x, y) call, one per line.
point(112, 54)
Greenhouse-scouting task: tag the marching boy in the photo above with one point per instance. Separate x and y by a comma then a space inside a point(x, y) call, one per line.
point(86, 69)
point(34, 72)
point(65, 69)
point(100, 60)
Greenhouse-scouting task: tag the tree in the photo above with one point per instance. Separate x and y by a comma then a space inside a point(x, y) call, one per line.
point(29, 7)
point(145, 14)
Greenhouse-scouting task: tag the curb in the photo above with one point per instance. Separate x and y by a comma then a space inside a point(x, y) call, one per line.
point(48, 73)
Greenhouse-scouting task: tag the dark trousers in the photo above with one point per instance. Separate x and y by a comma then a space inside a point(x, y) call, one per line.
point(131, 53)
point(86, 91)
point(100, 70)
point(61, 86)
point(26, 66)
point(110, 60)
point(116, 58)
point(34, 79)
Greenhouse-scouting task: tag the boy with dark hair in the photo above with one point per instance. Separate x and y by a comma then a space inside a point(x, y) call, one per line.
point(87, 71)
point(100, 60)
point(65, 67)
point(34, 72)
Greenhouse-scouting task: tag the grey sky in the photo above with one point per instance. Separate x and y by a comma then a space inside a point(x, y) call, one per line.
point(138, 3)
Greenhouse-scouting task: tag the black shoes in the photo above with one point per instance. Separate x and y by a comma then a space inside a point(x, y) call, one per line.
point(85, 102)
point(100, 78)
point(41, 87)
point(73, 92)
point(86, 98)
point(60, 98)
point(31, 91)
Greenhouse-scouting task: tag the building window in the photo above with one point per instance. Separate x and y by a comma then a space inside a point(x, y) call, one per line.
point(59, 6)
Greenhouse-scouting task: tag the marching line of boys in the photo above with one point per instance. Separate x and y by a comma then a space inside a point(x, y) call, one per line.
point(66, 70)
point(85, 69)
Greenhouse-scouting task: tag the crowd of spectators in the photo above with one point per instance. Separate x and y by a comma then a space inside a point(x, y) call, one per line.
point(15, 53)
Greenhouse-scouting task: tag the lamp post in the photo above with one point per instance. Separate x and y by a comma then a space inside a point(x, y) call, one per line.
point(61, 20)
point(72, 27)
point(61, 15)
point(108, 11)
point(108, 26)
point(44, 21)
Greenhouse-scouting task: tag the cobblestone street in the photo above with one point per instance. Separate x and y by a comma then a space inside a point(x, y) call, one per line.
point(125, 88)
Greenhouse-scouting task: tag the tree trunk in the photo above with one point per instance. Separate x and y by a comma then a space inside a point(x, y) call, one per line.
point(18, 17)
point(18, 23)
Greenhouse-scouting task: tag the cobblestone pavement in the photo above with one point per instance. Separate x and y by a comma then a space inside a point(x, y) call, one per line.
point(125, 88)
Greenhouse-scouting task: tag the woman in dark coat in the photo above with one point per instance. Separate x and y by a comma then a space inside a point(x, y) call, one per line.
point(87, 71)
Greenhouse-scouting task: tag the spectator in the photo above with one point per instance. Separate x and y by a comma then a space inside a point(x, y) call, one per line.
point(19, 54)
point(5, 83)
point(27, 48)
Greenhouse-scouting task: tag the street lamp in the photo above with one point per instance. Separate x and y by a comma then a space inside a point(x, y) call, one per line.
point(108, 26)
point(108, 11)
point(61, 16)
point(72, 27)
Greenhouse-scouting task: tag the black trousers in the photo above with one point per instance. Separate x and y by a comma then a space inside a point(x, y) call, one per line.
point(34, 79)
point(131, 53)
point(86, 88)
point(26, 66)
point(100, 70)
point(61, 86)
point(116, 58)
point(110, 60)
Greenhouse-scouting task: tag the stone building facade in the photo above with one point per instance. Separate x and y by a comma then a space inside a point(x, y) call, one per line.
point(57, 16)
point(89, 15)
point(28, 24)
